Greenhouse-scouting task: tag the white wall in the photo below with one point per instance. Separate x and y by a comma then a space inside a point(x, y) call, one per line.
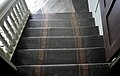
point(35, 5)
point(96, 14)
point(1, 1)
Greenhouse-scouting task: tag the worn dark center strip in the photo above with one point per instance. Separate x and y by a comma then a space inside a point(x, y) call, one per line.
point(43, 44)
point(78, 44)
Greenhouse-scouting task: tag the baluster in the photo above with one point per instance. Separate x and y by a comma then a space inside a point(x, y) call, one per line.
point(11, 29)
point(2, 51)
point(7, 33)
point(22, 7)
point(16, 19)
point(4, 54)
point(7, 46)
point(17, 12)
point(14, 24)
point(21, 10)
point(22, 14)
point(25, 6)
point(14, 15)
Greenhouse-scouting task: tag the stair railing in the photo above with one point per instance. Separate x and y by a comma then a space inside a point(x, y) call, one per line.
point(13, 17)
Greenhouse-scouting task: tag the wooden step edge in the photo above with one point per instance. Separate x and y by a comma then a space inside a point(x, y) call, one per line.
point(63, 65)
point(83, 27)
point(62, 37)
point(91, 48)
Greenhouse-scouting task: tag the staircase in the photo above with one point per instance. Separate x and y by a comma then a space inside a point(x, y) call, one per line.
point(61, 44)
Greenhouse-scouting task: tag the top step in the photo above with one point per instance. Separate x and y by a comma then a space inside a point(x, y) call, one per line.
point(61, 15)
point(80, 5)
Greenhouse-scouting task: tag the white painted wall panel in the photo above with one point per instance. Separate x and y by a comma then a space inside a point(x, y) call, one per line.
point(96, 14)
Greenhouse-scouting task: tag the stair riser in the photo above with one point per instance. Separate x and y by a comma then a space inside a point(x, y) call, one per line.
point(34, 43)
point(61, 23)
point(80, 5)
point(58, 56)
point(93, 70)
point(61, 16)
point(61, 32)
point(88, 22)
point(84, 16)
point(35, 24)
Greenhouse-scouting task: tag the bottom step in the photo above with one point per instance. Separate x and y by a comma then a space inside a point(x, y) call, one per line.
point(64, 70)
